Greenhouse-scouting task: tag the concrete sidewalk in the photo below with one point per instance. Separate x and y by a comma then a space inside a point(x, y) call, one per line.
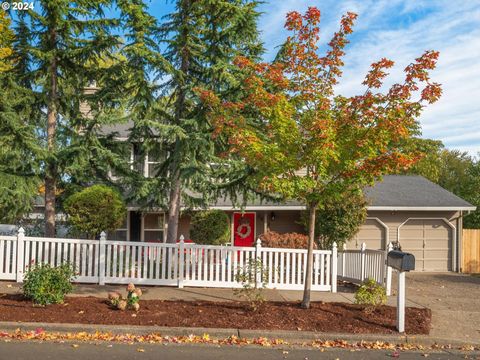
point(344, 294)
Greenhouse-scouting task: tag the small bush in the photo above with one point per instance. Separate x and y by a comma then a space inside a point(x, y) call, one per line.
point(95, 209)
point(288, 240)
point(48, 285)
point(210, 227)
point(252, 290)
point(370, 293)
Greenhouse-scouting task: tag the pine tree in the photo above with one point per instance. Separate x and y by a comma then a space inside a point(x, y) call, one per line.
point(18, 145)
point(201, 38)
point(54, 43)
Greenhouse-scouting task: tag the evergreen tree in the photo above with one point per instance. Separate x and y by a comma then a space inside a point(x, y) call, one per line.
point(198, 43)
point(54, 43)
point(18, 145)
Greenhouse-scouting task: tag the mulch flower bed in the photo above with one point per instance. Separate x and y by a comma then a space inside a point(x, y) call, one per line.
point(321, 317)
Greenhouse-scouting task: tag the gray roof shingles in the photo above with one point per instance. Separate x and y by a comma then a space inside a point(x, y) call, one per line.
point(393, 191)
point(411, 191)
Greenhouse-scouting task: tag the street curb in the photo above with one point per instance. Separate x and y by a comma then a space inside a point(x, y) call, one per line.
point(289, 336)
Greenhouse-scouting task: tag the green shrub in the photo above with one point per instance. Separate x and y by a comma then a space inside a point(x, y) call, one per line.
point(95, 209)
point(48, 285)
point(210, 227)
point(370, 293)
point(338, 219)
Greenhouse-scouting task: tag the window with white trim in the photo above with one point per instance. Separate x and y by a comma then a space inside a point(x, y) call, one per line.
point(153, 158)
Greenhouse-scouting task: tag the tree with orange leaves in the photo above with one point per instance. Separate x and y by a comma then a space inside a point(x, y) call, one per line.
point(289, 120)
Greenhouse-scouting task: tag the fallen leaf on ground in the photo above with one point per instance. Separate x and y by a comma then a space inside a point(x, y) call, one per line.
point(140, 350)
point(75, 346)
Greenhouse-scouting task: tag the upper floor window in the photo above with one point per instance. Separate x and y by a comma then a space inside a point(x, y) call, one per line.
point(145, 163)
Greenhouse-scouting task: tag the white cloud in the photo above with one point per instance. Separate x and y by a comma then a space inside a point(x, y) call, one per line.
point(402, 30)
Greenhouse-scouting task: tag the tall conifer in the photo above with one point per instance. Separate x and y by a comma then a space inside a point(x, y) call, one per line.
point(55, 42)
point(198, 44)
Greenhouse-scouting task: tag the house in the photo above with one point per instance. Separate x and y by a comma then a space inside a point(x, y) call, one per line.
point(425, 219)
point(420, 216)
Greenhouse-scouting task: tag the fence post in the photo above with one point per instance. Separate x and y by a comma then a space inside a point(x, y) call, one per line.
point(334, 267)
point(181, 265)
point(101, 258)
point(343, 259)
point(363, 257)
point(388, 280)
point(258, 257)
point(20, 254)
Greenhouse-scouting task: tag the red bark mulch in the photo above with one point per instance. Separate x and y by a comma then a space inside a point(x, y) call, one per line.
point(321, 317)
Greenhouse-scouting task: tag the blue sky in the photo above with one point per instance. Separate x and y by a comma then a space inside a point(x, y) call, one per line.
point(400, 30)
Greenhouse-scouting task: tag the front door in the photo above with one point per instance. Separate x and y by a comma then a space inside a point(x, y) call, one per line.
point(243, 229)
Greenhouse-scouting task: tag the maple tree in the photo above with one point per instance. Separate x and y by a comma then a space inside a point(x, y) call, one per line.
point(305, 142)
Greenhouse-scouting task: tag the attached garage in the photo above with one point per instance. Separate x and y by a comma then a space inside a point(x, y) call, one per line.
point(430, 241)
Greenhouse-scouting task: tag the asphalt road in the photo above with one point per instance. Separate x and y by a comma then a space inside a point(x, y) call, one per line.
point(107, 351)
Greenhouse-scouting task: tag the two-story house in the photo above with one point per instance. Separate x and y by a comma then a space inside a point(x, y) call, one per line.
point(423, 217)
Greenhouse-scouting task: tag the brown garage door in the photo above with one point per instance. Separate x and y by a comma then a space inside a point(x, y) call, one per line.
point(430, 241)
point(372, 233)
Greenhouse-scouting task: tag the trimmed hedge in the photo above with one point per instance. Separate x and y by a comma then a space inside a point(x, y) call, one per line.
point(210, 227)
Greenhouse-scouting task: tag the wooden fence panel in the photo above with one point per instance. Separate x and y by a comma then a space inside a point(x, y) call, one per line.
point(471, 251)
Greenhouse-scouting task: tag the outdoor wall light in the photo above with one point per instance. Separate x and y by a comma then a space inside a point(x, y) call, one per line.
point(272, 216)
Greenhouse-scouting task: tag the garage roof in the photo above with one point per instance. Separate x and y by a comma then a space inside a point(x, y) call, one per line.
point(405, 191)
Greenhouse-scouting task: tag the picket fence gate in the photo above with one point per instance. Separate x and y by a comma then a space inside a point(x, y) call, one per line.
point(357, 266)
point(186, 264)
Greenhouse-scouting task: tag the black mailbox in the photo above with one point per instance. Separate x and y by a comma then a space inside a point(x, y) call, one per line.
point(400, 260)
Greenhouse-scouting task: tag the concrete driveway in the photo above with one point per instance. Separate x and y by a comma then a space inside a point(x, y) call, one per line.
point(454, 300)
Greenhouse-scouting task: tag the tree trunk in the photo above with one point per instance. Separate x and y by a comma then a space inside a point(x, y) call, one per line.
point(312, 209)
point(176, 189)
point(51, 167)
point(174, 210)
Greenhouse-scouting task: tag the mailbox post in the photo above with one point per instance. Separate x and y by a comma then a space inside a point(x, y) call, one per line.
point(402, 262)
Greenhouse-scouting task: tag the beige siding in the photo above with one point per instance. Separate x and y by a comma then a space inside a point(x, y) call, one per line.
point(286, 222)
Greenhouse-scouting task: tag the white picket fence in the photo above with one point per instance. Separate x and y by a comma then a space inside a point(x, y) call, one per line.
point(182, 264)
point(357, 266)
point(186, 264)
